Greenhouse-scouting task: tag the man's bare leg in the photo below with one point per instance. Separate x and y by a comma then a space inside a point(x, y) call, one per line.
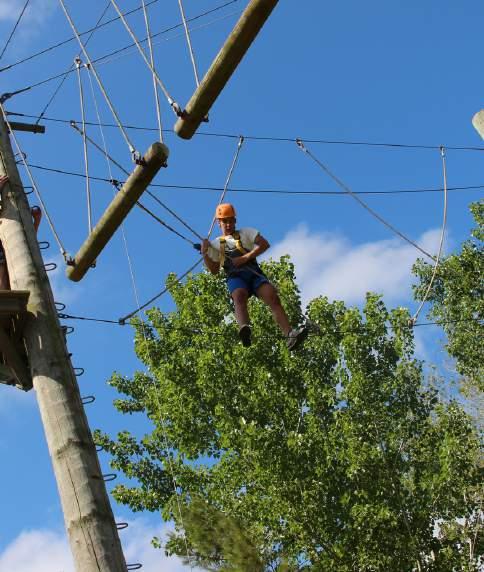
point(268, 294)
point(240, 297)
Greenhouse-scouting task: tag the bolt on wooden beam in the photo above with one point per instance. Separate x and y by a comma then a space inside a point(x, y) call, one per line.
point(478, 122)
point(224, 65)
point(120, 206)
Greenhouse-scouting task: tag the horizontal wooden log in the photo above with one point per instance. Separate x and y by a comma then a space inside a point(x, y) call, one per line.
point(117, 211)
point(478, 122)
point(224, 65)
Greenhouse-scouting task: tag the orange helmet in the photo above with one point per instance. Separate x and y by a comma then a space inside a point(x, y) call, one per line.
point(224, 210)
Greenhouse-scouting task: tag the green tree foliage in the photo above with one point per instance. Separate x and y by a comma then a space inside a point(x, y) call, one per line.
point(457, 300)
point(337, 457)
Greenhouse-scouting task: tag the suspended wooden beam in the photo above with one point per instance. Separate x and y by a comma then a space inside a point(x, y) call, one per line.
point(224, 65)
point(117, 211)
point(478, 122)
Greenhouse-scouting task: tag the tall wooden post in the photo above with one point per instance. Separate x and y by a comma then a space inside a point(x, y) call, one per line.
point(88, 515)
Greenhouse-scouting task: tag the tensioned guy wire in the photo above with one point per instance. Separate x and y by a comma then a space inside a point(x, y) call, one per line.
point(340, 183)
point(414, 318)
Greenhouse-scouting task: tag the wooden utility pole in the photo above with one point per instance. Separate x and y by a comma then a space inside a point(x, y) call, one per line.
point(88, 515)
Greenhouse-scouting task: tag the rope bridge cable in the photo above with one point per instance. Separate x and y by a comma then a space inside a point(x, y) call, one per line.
point(229, 178)
point(414, 318)
point(269, 191)
point(174, 105)
point(148, 192)
point(61, 83)
point(9, 39)
point(340, 183)
point(98, 79)
point(122, 322)
point(106, 57)
point(34, 186)
point(270, 139)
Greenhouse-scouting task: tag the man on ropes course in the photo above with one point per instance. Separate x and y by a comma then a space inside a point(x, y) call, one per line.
point(236, 252)
point(36, 218)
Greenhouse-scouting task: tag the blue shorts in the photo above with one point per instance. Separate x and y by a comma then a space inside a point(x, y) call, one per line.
point(247, 280)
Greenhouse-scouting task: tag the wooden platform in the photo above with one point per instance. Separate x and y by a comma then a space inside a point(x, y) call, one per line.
point(14, 368)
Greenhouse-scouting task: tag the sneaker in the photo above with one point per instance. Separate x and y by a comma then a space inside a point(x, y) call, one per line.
point(244, 335)
point(296, 337)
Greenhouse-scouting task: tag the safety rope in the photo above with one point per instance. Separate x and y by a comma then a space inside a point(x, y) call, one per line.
point(174, 105)
point(34, 186)
point(152, 61)
point(22, 12)
point(61, 83)
point(98, 79)
point(123, 320)
point(79, 64)
point(227, 181)
point(340, 183)
point(413, 320)
point(148, 192)
point(189, 43)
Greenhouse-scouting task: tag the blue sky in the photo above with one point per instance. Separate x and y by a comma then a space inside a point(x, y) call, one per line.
point(380, 72)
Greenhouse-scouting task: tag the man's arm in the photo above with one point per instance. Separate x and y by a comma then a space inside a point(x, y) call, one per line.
point(260, 246)
point(212, 266)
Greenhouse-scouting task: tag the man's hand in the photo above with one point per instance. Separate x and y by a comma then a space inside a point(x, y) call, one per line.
point(205, 246)
point(3, 181)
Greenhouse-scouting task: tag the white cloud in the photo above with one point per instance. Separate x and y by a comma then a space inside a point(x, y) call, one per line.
point(48, 550)
point(37, 550)
point(328, 264)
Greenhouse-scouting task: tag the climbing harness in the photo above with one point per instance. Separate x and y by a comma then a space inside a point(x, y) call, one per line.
point(238, 245)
